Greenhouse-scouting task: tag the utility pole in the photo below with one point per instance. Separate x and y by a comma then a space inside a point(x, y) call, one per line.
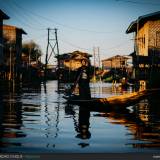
point(58, 62)
point(97, 61)
point(99, 58)
point(53, 48)
point(46, 60)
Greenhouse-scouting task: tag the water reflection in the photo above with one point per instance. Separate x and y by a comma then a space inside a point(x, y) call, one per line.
point(83, 123)
point(51, 115)
point(10, 121)
point(142, 120)
point(35, 118)
point(103, 90)
point(16, 109)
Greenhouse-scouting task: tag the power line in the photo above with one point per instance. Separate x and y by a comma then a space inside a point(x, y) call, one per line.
point(64, 25)
point(138, 2)
point(75, 46)
point(20, 17)
point(116, 46)
point(28, 15)
point(90, 49)
point(38, 38)
point(71, 44)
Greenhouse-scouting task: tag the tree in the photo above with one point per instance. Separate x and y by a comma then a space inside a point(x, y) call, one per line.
point(32, 49)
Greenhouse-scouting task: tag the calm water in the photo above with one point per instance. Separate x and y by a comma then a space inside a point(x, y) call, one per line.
point(36, 119)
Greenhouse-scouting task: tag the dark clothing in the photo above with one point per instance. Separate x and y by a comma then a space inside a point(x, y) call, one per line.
point(83, 82)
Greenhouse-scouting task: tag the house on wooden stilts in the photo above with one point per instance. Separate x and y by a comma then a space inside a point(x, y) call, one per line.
point(146, 55)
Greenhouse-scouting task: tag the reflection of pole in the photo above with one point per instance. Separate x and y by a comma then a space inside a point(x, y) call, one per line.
point(29, 57)
point(57, 117)
point(29, 62)
point(11, 69)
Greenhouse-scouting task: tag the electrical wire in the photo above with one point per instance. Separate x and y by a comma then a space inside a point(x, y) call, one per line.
point(138, 2)
point(47, 19)
point(20, 17)
point(75, 46)
point(90, 50)
point(28, 16)
point(21, 20)
point(56, 22)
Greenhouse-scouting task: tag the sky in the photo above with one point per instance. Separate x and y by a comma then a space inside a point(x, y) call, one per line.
point(81, 24)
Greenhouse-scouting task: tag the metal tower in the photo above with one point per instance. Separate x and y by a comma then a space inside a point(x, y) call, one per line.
point(52, 48)
point(97, 61)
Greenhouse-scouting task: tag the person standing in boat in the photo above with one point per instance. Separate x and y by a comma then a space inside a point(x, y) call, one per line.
point(83, 78)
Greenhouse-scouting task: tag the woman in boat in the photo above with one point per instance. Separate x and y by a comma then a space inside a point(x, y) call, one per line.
point(83, 78)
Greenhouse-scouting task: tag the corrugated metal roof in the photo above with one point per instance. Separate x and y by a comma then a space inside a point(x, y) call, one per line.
point(141, 20)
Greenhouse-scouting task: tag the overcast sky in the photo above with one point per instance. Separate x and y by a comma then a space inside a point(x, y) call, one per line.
point(82, 24)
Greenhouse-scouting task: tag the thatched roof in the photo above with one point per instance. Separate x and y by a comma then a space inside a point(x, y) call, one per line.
point(74, 55)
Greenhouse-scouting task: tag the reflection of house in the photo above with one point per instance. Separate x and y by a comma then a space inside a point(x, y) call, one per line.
point(115, 62)
point(72, 60)
point(143, 111)
point(69, 63)
point(3, 16)
point(146, 53)
point(143, 126)
point(13, 49)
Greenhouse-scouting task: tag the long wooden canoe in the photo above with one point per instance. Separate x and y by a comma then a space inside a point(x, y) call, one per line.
point(118, 100)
